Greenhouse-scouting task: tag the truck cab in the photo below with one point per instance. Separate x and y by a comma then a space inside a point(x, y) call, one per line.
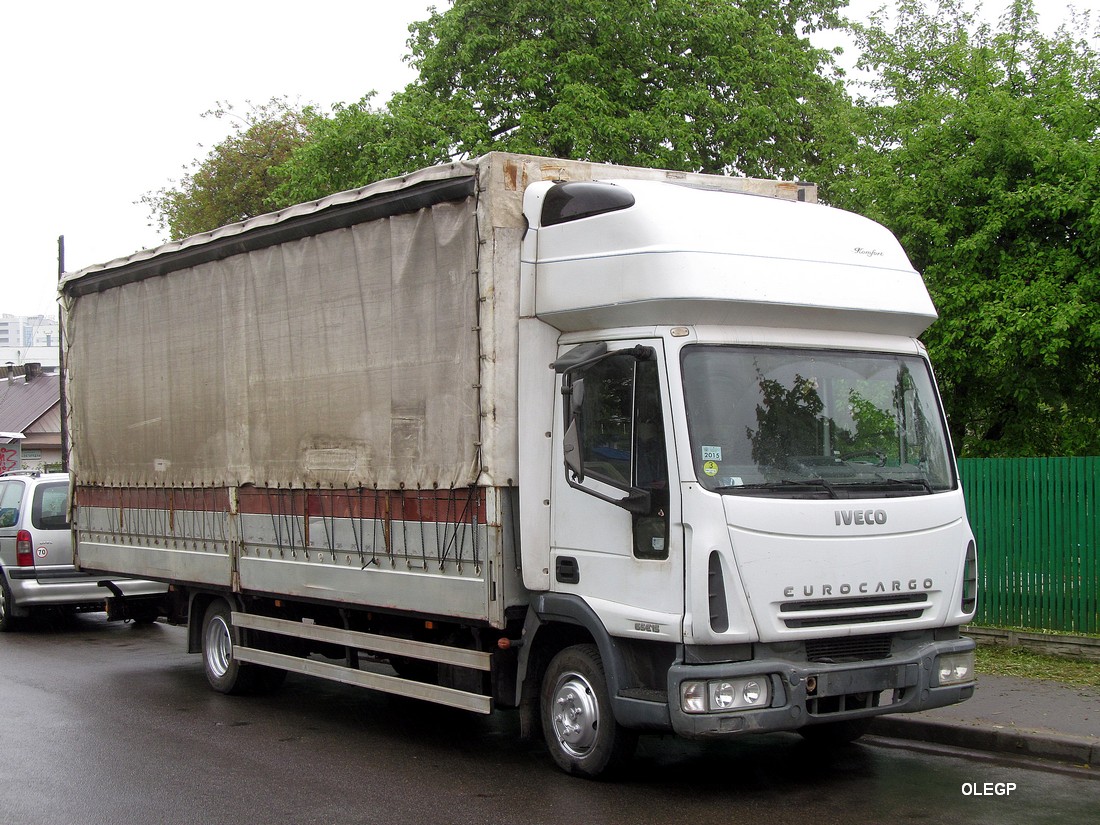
point(752, 501)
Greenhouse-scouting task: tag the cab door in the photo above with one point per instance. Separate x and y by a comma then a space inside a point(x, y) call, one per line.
point(616, 534)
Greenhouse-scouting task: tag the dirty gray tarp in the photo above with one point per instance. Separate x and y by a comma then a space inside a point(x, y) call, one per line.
point(345, 358)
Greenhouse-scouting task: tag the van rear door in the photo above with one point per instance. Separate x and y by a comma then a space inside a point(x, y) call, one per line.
point(51, 539)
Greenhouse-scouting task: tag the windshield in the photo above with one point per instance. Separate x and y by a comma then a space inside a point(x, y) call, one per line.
point(814, 423)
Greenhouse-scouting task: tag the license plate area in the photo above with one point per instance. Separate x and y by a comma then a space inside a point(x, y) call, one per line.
point(858, 689)
point(862, 680)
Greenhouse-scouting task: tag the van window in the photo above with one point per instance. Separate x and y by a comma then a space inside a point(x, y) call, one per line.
point(50, 508)
point(11, 498)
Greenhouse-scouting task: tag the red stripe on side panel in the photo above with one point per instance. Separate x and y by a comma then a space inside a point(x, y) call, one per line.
point(208, 499)
point(464, 505)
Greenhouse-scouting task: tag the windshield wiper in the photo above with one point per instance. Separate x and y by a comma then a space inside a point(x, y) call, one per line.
point(785, 483)
point(921, 482)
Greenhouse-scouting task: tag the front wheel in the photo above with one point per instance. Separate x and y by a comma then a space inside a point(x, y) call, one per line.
point(224, 673)
point(577, 721)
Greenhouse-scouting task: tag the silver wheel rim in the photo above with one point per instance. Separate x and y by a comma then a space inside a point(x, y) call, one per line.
point(575, 714)
point(219, 646)
point(3, 602)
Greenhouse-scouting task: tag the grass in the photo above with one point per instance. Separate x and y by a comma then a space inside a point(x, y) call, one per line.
point(997, 660)
point(1038, 631)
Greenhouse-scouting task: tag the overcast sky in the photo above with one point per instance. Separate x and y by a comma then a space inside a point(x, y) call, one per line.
point(103, 102)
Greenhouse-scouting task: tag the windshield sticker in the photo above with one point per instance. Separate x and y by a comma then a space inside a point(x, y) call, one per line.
point(710, 468)
point(712, 453)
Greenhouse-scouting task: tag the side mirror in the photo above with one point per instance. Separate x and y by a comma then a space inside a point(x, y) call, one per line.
point(574, 461)
point(574, 458)
point(576, 396)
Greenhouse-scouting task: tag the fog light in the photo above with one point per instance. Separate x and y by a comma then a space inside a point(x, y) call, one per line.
point(723, 695)
point(955, 668)
point(751, 693)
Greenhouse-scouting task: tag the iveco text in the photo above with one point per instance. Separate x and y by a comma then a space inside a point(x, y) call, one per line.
point(860, 516)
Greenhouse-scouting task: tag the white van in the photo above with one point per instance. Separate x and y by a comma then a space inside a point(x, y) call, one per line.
point(36, 557)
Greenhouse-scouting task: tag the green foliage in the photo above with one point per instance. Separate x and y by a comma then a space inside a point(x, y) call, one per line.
point(234, 181)
point(358, 144)
point(700, 85)
point(981, 154)
point(695, 85)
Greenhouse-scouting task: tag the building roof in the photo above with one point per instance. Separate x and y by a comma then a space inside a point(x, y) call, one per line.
point(23, 402)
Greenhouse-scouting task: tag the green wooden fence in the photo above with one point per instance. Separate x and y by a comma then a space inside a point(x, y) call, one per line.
point(1037, 524)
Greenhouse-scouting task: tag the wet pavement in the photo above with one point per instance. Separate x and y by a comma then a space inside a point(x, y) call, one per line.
point(115, 724)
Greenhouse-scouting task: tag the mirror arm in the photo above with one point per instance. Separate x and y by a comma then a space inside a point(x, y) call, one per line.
point(636, 501)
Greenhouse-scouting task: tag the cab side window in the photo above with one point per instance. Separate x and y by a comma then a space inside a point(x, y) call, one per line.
point(623, 441)
point(607, 410)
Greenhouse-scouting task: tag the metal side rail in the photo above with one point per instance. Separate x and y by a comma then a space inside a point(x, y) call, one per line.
point(442, 654)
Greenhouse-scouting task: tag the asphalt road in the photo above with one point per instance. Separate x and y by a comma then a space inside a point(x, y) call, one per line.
point(115, 724)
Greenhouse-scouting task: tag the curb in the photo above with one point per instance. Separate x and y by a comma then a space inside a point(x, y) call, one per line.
point(1080, 750)
point(1063, 645)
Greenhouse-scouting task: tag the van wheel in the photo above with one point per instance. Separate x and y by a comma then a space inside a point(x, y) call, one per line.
point(577, 722)
point(7, 620)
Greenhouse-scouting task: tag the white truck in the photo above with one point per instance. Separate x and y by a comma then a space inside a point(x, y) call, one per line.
point(624, 449)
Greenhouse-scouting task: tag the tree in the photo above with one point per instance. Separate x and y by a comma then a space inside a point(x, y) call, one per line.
point(354, 146)
point(235, 180)
point(980, 151)
point(694, 85)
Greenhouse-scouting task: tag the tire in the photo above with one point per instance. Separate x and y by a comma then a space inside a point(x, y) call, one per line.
point(577, 720)
point(832, 734)
point(224, 673)
point(8, 622)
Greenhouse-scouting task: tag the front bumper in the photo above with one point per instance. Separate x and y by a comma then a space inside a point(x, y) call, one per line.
point(810, 693)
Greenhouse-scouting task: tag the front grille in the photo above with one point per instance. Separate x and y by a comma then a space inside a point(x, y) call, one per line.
point(854, 610)
point(848, 649)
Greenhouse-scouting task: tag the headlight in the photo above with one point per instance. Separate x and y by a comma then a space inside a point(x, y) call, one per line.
point(955, 668)
point(721, 695)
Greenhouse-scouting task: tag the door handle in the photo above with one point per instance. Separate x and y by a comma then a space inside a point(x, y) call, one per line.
point(567, 571)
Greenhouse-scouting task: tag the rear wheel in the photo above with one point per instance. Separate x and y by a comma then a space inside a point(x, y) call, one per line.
point(577, 722)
